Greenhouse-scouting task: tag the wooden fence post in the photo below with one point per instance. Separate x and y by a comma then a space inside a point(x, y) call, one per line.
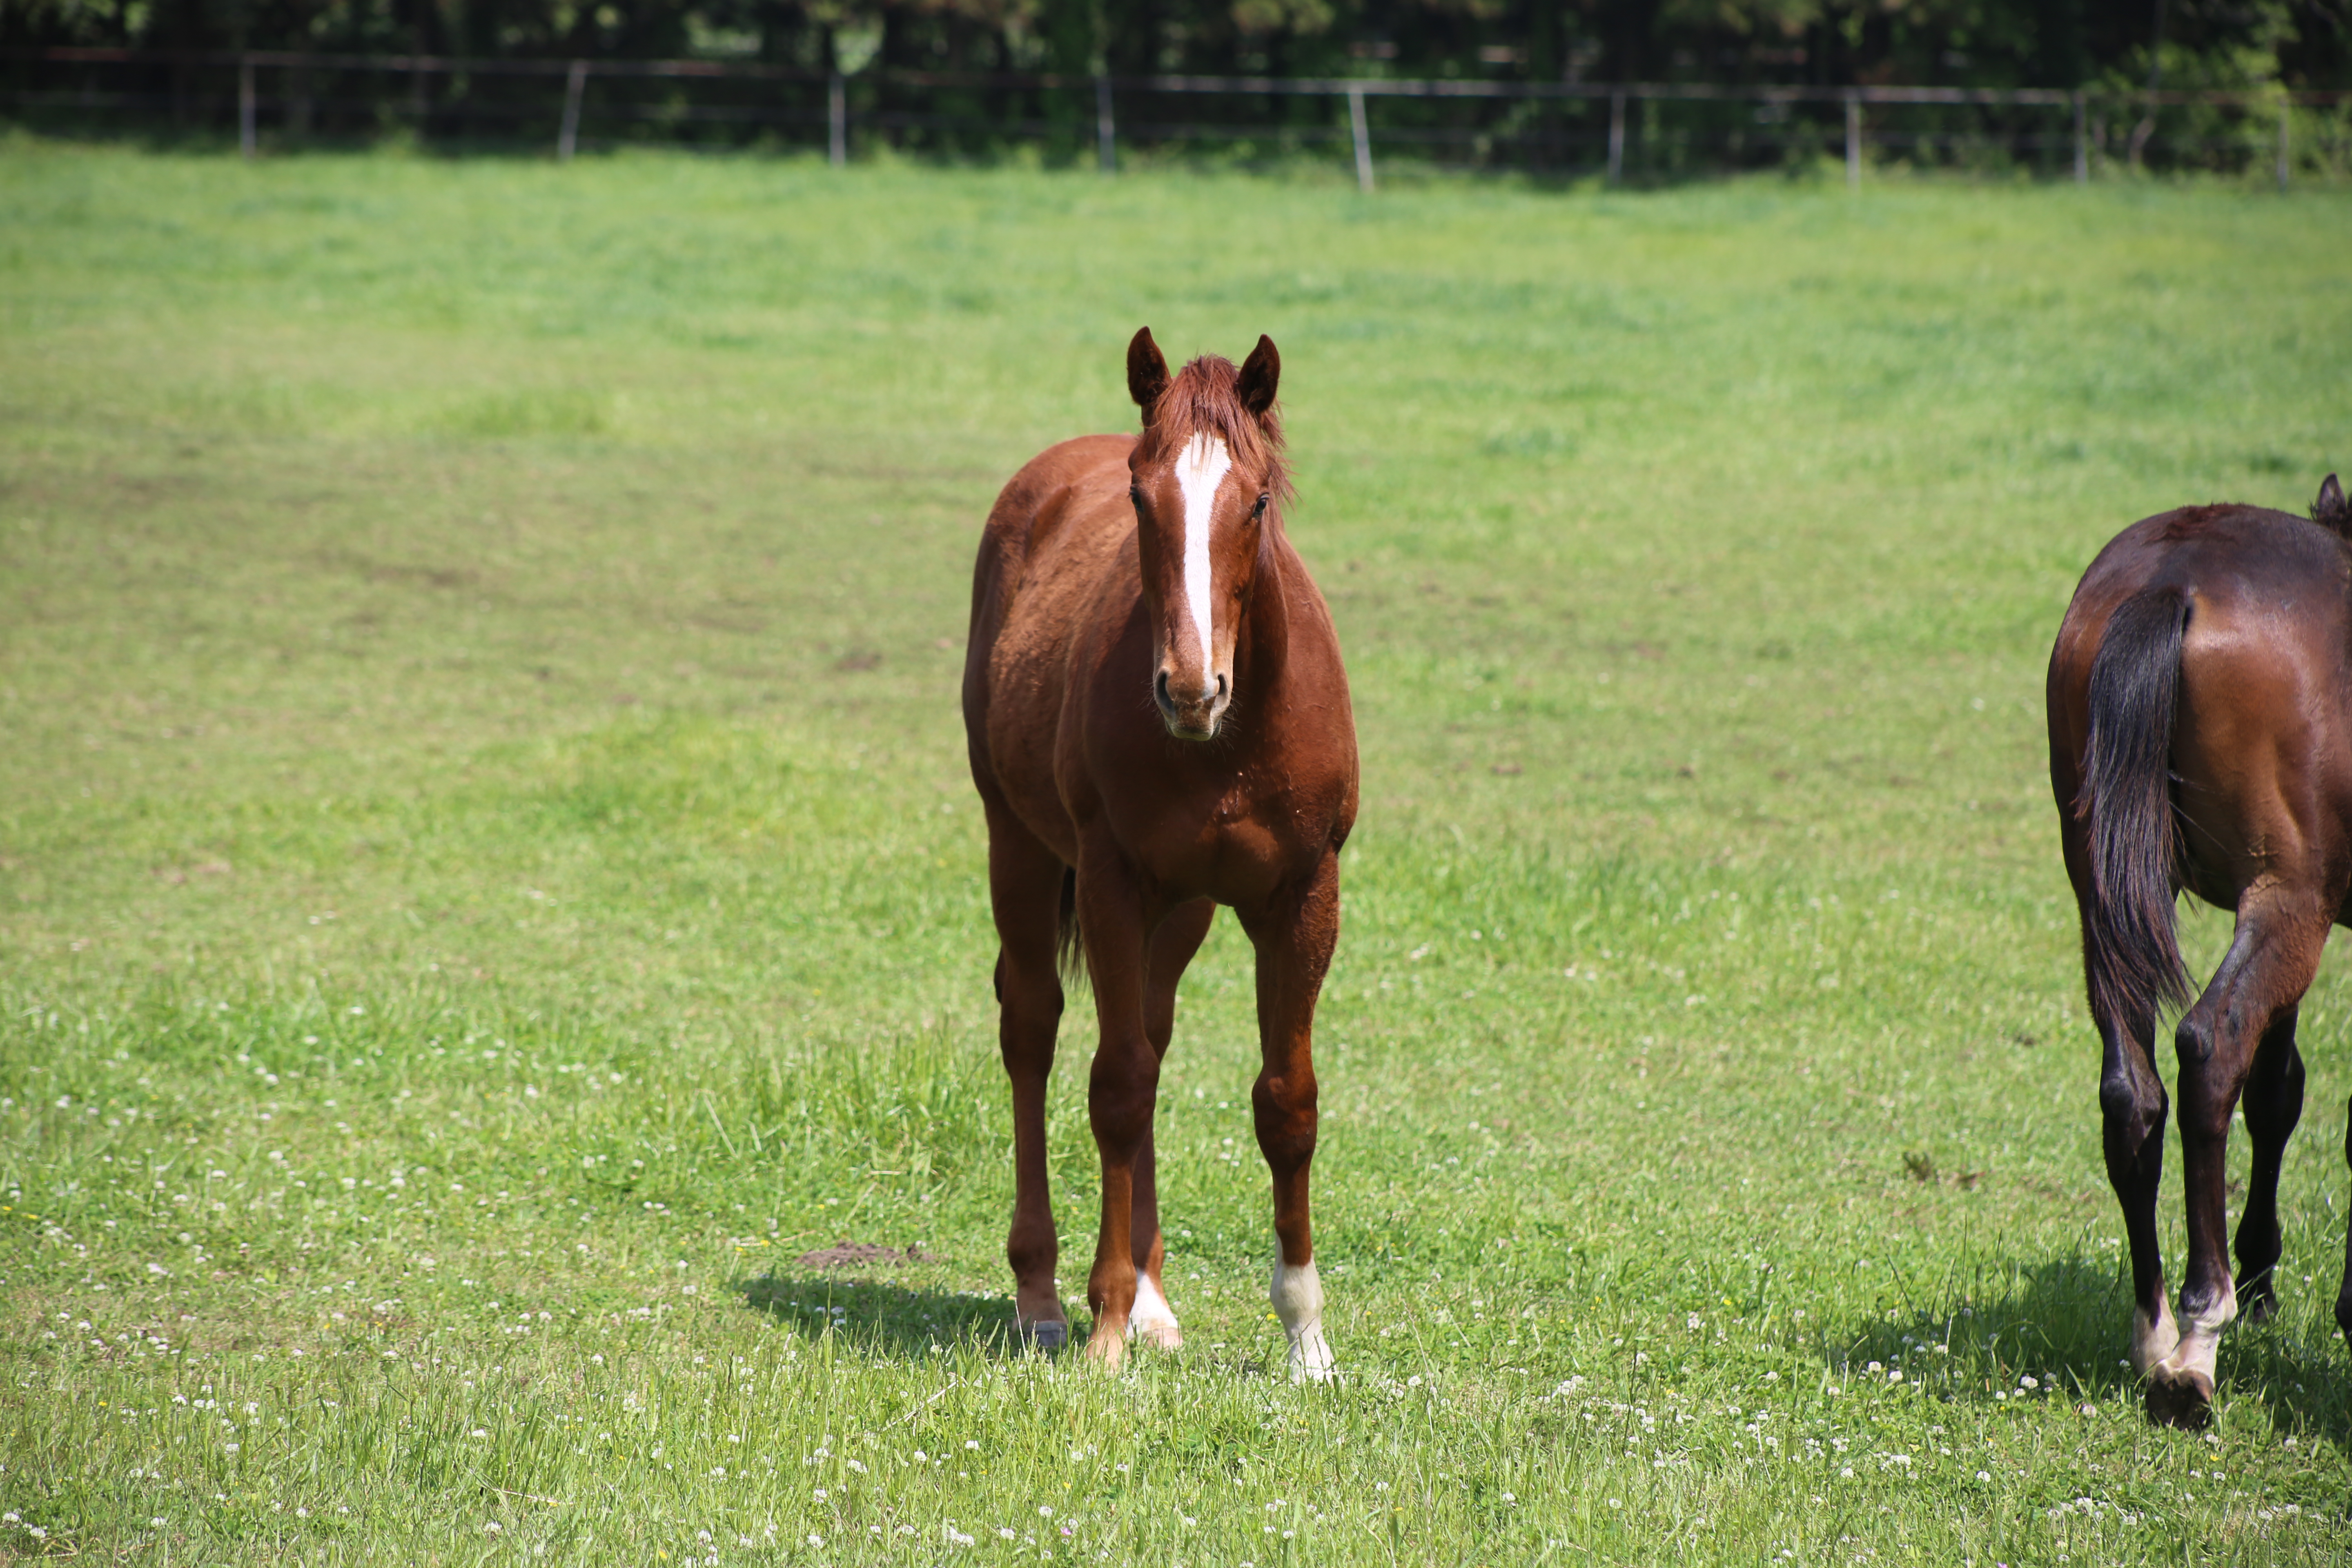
point(1616, 138)
point(245, 110)
point(576, 85)
point(836, 120)
point(2082, 140)
point(1853, 142)
point(1106, 130)
point(1363, 133)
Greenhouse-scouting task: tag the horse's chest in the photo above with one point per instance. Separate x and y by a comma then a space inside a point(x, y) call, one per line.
point(1229, 847)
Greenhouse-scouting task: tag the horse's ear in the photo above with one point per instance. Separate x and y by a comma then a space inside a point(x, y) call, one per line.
point(1147, 372)
point(1260, 375)
point(2331, 510)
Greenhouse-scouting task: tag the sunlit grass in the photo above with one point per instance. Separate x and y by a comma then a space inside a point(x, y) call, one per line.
point(487, 881)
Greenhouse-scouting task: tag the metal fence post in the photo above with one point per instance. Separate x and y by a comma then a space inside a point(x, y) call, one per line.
point(1363, 137)
point(1853, 142)
point(836, 120)
point(2082, 140)
point(2284, 167)
point(1616, 138)
point(1105, 131)
point(575, 85)
point(245, 109)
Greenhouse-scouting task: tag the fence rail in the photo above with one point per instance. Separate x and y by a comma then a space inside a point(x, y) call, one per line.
point(889, 93)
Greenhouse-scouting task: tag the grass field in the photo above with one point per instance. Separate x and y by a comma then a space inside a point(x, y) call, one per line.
point(488, 879)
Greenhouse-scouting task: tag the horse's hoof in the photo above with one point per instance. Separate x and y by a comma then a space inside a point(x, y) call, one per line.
point(1311, 1360)
point(1047, 1336)
point(2179, 1399)
point(1163, 1335)
point(1107, 1349)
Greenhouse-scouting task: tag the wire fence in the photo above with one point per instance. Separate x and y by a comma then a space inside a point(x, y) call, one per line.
point(1622, 130)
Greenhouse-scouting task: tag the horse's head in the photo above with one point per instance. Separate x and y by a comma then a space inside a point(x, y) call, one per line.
point(1206, 479)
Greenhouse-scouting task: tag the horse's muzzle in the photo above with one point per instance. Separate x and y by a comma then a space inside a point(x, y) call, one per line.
point(1190, 715)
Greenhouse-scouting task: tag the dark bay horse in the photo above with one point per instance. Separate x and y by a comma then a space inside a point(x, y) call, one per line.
point(2200, 737)
point(1158, 723)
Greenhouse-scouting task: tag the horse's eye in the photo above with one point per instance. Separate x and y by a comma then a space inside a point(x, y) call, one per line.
point(1259, 510)
point(1135, 494)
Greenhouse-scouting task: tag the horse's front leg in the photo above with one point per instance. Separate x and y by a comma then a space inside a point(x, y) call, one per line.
point(1170, 949)
point(1123, 1086)
point(1295, 941)
point(2273, 1105)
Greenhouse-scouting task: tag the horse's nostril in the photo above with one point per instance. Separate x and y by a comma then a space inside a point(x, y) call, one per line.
point(1161, 688)
point(1221, 686)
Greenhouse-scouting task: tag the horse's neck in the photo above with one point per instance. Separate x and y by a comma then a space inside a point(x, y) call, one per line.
point(1266, 647)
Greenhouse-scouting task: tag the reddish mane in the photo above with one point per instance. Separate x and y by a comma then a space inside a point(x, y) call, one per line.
point(1204, 399)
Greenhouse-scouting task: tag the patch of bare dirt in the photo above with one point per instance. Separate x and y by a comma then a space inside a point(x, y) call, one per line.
point(858, 1255)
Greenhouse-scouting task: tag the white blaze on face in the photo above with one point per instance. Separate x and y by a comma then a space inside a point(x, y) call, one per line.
point(1200, 468)
point(1298, 1297)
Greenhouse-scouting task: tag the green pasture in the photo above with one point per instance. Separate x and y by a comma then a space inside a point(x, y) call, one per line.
point(488, 879)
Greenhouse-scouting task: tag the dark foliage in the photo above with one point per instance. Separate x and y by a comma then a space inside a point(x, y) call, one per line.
point(2058, 43)
point(2100, 45)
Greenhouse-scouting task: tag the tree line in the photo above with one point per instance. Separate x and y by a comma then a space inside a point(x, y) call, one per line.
point(2235, 44)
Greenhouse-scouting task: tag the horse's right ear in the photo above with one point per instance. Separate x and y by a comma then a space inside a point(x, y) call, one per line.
point(2331, 510)
point(1147, 372)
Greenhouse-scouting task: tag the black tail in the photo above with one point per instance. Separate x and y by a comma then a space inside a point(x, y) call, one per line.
point(1069, 952)
point(2130, 953)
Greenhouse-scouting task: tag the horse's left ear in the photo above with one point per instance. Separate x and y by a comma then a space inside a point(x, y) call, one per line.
point(1260, 374)
point(2331, 510)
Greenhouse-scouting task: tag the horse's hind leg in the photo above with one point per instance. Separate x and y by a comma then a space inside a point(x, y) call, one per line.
point(1171, 948)
point(2344, 1292)
point(2132, 1100)
point(2274, 1104)
point(2269, 965)
point(1025, 887)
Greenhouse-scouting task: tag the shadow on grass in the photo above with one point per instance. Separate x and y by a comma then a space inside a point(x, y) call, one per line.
point(2065, 1323)
point(882, 1317)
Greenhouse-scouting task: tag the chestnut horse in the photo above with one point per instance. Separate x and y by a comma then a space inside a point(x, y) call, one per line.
point(1158, 724)
point(2200, 737)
